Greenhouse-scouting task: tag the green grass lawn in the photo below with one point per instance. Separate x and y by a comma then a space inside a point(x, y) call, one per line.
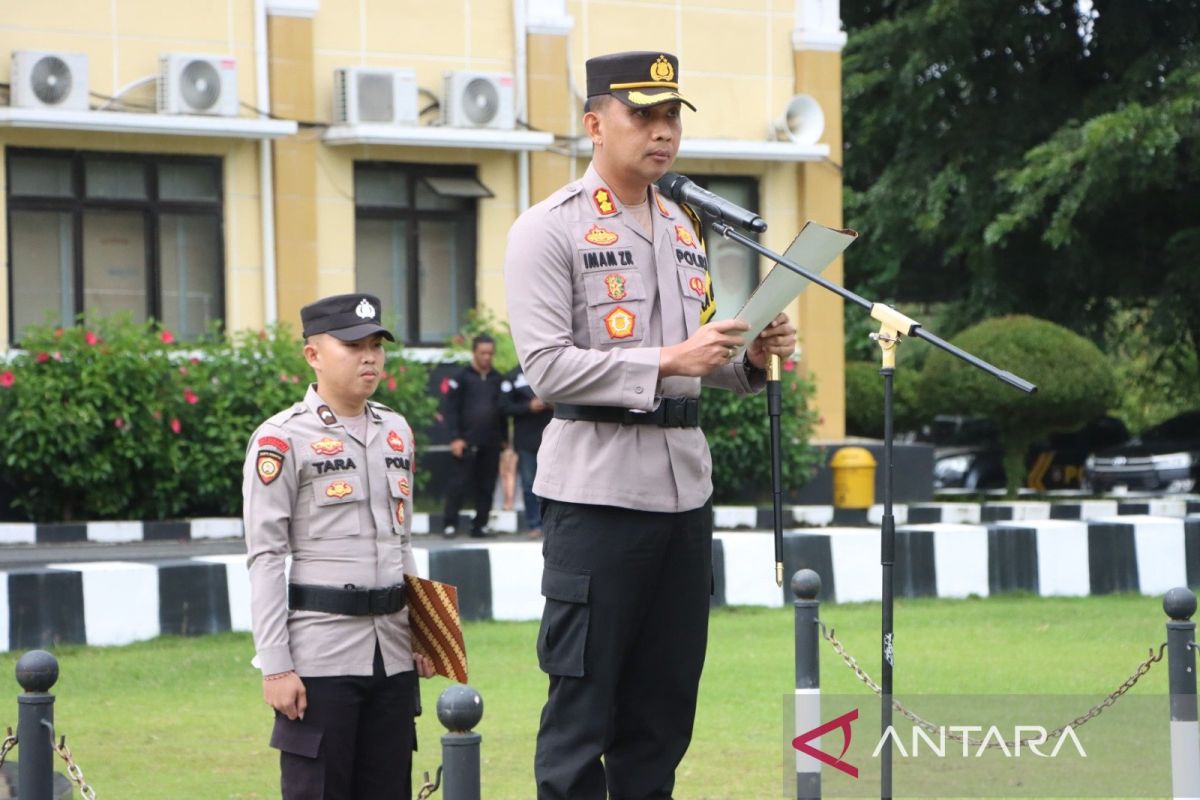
point(184, 717)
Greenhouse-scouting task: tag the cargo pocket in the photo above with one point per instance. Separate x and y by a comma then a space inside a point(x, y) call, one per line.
point(296, 737)
point(562, 639)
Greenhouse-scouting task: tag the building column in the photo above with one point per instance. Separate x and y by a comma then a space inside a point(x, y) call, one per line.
point(552, 107)
point(817, 43)
point(290, 44)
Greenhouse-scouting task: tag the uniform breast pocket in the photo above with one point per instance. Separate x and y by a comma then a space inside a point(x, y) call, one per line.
point(693, 287)
point(338, 504)
point(400, 488)
point(616, 303)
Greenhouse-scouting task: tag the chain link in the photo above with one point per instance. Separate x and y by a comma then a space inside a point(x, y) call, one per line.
point(73, 770)
point(430, 787)
point(1087, 716)
point(9, 743)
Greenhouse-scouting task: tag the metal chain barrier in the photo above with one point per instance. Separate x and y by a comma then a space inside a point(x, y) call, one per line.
point(429, 787)
point(73, 770)
point(916, 719)
point(8, 744)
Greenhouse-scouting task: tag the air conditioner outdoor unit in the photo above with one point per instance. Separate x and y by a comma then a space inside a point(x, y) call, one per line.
point(478, 100)
point(387, 96)
point(42, 79)
point(197, 84)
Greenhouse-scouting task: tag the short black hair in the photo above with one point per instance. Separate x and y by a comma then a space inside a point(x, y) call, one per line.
point(482, 338)
point(596, 102)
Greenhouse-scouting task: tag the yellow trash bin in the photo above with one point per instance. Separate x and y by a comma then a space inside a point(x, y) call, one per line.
point(853, 478)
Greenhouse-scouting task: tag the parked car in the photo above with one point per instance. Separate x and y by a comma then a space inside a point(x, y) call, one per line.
point(1165, 458)
point(968, 454)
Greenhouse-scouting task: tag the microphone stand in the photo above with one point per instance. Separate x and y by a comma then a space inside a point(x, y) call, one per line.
point(892, 325)
point(774, 410)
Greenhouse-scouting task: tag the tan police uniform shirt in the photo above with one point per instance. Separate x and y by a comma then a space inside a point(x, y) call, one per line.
point(592, 298)
point(341, 509)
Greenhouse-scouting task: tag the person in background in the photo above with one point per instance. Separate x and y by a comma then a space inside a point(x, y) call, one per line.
point(530, 415)
point(471, 410)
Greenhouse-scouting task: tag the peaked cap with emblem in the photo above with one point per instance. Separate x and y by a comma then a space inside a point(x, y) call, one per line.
point(348, 317)
point(637, 79)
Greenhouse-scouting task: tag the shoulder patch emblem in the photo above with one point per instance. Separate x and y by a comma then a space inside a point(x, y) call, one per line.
point(327, 447)
point(619, 322)
point(604, 203)
point(395, 441)
point(273, 441)
point(269, 465)
point(682, 234)
point(600, 236)
point(339, 489)
point(615, 282)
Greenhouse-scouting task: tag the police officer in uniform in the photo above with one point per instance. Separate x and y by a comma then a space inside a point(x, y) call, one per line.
point(329, 482)
point(610, 304)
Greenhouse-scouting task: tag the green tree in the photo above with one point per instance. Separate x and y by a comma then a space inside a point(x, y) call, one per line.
point(1074, 379)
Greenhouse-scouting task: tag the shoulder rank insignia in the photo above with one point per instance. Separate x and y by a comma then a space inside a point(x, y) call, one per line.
point(600, 236)
point(327, 447)
point(326, 414)
point(662, 207)
point(268, 466)
point(604, 202)
point(619, 323)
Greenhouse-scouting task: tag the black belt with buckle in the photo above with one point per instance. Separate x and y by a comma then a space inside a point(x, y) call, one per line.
point(350, 600)
point(672, 412)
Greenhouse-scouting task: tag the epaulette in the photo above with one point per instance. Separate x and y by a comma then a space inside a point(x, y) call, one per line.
point(564, 194)
point(697, 224)
point(283, 416)
point(378, 406)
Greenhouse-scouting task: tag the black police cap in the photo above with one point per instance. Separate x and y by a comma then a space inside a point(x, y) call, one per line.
point(638, 79)
point(348, 317)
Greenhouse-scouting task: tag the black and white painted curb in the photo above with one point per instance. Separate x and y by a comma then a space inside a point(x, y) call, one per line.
point(117, 602)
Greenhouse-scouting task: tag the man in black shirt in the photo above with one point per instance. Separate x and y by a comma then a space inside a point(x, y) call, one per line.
point(471, 409)
point(530, 415)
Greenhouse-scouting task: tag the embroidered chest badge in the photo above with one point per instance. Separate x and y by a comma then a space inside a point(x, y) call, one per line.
point(615, 282)
point(327, 447)
point(400, 512)
point(403, 485)
point(339, 489)
point(619, 323)
point(682, 234)
point(697, 284)
point(600, 236)
point(395, 441)
point(604, 203)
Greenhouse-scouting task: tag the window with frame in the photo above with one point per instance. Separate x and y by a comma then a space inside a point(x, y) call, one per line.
point(734, 269)
point(105, 233)
point(414, 238)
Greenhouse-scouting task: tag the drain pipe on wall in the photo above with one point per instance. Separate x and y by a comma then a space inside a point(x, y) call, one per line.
point(521, 79)
point(266, 176)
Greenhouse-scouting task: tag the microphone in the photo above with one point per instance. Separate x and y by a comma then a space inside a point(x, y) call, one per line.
point(681, 189)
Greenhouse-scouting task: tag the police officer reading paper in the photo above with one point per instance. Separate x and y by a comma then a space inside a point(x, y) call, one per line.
point(610, 303)
point(329, 483)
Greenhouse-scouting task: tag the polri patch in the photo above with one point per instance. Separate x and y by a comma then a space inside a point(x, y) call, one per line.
point(327, 446)
point(395, 441)
point(615, 283)
point(273, 441)
point(619, 322)
point(268, 466)
point(604, 202)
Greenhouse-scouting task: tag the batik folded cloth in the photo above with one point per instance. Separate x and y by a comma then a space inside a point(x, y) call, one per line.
point(436, 626)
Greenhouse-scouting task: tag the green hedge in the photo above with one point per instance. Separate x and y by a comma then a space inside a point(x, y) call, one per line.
point(864, 399)
point(120, 421)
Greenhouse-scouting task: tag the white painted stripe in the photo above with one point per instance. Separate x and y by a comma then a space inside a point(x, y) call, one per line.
point(217, 528)
point(237, 579)
point(955, 513)
point(124, 531)
point(808, 716)
point(1185, 767)
point(899, 513)
point(120, 600)
point(421, 559)
point(818, 516)
point(5, 644)
point(420, 524)
point(516, 571)
point(1062, 557)
point(503, 521)
point(857, 574)
point(750, 569)
point(1161, 553)
point(1091, 509)
point(732, 517)
point(18, 533)
point(1168, 507)
point(960, 558)
point(1025, 509)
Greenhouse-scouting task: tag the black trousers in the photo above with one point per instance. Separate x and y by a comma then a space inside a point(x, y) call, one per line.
point(623, 636)
point(355, 741)
point(477, 470)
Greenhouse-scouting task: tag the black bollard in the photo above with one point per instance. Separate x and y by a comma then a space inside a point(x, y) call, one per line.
point(1180, 604)
point(37, 671)
point(459, 708)
point(806, 585)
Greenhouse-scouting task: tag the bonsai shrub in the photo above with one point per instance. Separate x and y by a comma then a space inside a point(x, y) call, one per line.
point(1074, 379)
